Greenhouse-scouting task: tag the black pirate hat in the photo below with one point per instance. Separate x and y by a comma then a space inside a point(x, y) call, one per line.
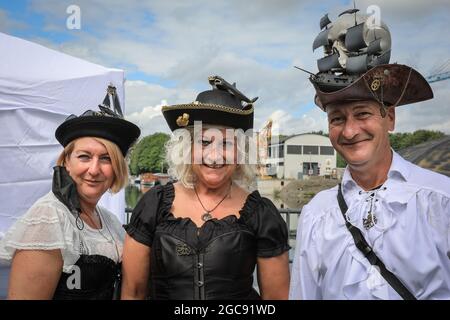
point(107, 123)
point(223, 105)
point(356, 65)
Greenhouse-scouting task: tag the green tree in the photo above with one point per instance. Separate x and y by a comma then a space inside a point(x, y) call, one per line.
point(132, 196)
point(148, 154)
point(340, 162)
point(320, 133)
point(403, 140)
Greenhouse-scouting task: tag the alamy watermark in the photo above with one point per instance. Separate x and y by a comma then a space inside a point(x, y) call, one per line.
point(73, 21)
point(74, 280)
point(374, 19)
point(211, 145)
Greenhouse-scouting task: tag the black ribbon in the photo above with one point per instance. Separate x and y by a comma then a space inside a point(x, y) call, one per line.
point(65, 189)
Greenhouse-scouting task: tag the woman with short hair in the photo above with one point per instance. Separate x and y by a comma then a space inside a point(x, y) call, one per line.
point(66, 246)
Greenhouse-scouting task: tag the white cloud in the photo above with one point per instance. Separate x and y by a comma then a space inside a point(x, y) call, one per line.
point(286, 124)
point(7, 23)
point(183, 42)
point(140, 93)
point(152, 96)
point(406, 9)
point(430, 115)
point(149, 119)
point(147, 112)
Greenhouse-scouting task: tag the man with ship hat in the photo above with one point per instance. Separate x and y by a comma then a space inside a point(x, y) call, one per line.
point(383, 232)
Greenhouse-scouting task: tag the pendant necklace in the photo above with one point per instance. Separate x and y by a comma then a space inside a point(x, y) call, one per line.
point(207, 214)
point(104, 224)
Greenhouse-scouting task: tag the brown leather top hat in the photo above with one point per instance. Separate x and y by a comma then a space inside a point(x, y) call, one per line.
point(356, 65)
point(223, 105)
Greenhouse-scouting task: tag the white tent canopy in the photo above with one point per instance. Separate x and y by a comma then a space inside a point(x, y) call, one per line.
point(39, 88)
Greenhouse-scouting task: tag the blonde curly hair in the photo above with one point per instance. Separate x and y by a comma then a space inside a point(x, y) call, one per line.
point(179, 158)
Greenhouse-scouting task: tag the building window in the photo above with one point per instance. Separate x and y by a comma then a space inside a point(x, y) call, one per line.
point(311, 169)
point(327, 150)
point(294, 149)
point(310, 149)
point(274, 151)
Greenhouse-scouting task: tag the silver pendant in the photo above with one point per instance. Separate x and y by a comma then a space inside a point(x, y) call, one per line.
point(79, 222)
point(369, 221)
point(206, 216)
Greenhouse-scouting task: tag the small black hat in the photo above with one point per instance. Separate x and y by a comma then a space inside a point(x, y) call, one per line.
point(106, 123)
point(223, 105)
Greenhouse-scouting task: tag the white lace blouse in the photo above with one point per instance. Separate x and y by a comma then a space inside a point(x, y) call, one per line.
point(49, 225)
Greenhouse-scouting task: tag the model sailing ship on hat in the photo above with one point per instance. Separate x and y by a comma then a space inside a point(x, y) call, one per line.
point(107, 123)
point(356, 64)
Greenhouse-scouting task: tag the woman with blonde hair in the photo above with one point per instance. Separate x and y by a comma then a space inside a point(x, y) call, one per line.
point(66, 246)
point(203, 236)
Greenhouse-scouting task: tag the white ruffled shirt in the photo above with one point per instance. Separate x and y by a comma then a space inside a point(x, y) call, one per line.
point(411, 236)
point(49, 225)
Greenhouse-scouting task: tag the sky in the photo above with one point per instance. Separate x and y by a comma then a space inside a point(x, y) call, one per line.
point(169, 48)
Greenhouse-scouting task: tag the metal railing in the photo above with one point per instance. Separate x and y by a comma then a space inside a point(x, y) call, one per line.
point(291, 217)
point(128, 212)
point(286, 214)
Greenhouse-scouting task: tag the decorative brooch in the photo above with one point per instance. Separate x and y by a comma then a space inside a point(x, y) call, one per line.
point(183, 249)
point(182, 121)
point(369, 221)
point(375, 85)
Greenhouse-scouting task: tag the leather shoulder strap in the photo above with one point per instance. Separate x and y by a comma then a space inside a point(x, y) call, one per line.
point(370, 255)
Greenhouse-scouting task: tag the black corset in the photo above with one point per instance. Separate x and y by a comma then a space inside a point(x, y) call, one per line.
point(215, 261)
point(98, 276)
point(222, 269)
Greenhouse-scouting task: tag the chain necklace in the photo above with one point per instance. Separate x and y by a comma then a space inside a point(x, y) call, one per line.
point(207, 214)
point(103, 223)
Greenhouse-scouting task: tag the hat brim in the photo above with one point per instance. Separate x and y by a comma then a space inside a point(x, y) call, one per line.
point(392, 84)
point(123, 133)
point(208, 114)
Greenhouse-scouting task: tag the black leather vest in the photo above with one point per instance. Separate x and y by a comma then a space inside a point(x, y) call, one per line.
point(221, 269)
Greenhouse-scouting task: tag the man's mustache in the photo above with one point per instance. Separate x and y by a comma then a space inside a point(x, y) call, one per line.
point(355, 139)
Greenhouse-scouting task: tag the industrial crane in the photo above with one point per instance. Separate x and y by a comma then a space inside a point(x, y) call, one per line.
point(440, 73)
